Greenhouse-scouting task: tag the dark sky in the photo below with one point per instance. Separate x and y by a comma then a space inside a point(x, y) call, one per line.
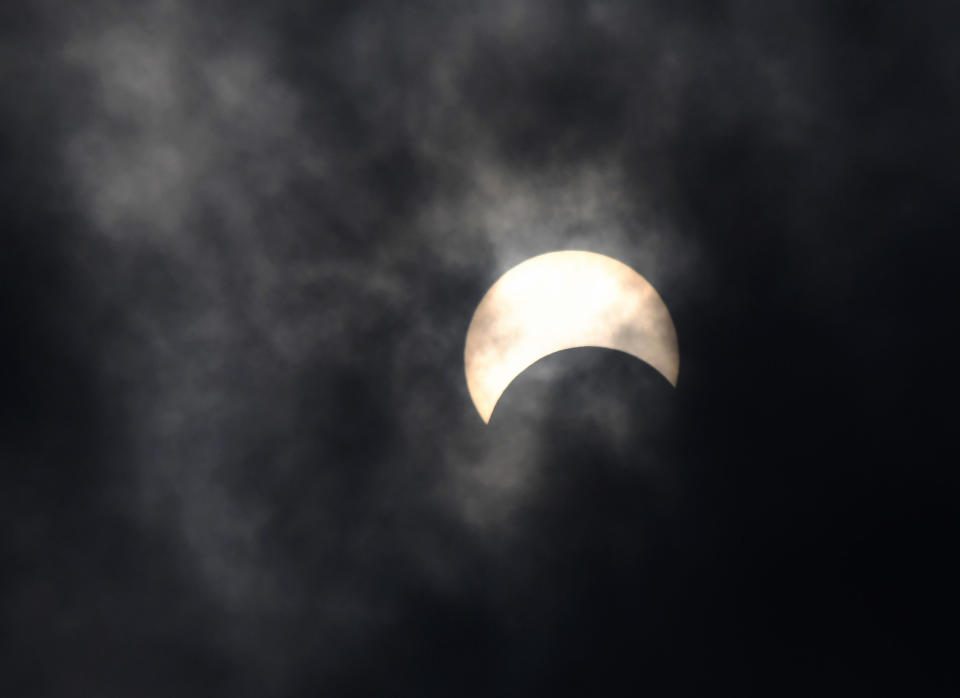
point(242, 243)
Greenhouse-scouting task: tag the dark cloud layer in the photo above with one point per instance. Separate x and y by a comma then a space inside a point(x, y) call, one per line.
point(242, 247)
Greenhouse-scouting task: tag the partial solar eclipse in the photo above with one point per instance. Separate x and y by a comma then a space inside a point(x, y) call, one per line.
point(562, 300)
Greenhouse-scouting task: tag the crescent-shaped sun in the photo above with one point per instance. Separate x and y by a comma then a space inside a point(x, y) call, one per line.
point(562, 300)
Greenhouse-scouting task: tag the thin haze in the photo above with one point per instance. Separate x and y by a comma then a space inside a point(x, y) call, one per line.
point(247, 241)
point(282, 254)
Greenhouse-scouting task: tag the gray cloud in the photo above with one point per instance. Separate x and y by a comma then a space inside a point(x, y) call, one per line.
point(201, 156)
point(285, 217)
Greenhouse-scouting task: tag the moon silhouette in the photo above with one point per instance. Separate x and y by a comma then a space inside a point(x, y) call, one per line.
point(562, 300)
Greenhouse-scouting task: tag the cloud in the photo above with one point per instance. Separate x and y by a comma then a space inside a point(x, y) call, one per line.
point(286, 215)
point(179, 156)
point(226, 213)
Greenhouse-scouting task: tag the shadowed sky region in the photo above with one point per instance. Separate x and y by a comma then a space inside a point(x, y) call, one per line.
point(243, 243)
